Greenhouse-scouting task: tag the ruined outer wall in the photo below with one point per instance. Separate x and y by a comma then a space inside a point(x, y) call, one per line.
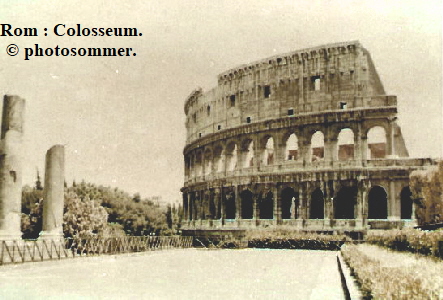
point(324, 78)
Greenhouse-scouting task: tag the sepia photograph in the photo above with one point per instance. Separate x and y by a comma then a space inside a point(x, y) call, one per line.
point(202, 149)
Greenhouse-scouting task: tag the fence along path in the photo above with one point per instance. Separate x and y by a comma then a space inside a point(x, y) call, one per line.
point(21, 251)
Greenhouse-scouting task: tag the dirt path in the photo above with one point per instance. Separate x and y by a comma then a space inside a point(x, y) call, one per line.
point(179, 274)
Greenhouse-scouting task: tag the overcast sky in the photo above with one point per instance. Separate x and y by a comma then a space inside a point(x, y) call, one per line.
point(122, 118)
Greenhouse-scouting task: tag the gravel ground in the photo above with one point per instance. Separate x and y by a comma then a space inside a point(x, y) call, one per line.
point(179, 274)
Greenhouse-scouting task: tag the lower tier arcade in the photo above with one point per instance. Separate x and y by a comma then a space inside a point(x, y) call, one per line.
point(311, 200)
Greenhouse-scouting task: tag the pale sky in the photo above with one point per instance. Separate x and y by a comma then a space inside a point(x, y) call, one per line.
point(122, 118)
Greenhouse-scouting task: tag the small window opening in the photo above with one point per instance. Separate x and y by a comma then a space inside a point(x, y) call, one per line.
point(194, 117)
point(290, 112)
point(267, 91)
point(219, 127)
point(315, 83)
point(200, 134)
point(232, 100)
point(208, 110)
point(343, 105)
point(248, 119)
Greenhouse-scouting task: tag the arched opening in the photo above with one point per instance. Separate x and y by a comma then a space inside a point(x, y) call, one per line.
point(249, 154)
point(292, 148)
point(219, 159)
point(406, 203)
point(187, 166)
point(266, 206)
point(345, 144)
point(191, 207)
point(376, 143)
point(212, 207)
point(204, 206)
point(288, 205)
point(344, 203)
point(317, 204)
point(197, 206)
point(232, 157)
point(218, 204)
point(268, 153)
point(377, 203)
point(230, 205)
point(247, 205)
point(317, 146)
point(208, 162)
point(198, 164)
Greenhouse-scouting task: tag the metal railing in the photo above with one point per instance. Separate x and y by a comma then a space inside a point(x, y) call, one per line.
point(20, 251)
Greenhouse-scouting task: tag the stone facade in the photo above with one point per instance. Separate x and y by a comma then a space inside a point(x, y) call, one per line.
point(307, 139)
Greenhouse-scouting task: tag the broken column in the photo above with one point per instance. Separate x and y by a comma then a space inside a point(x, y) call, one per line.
point(53, 198)
point(10, 167)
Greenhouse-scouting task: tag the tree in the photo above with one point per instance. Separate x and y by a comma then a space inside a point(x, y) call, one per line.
point(32, 209)
point(83, 218)
point(427, 192)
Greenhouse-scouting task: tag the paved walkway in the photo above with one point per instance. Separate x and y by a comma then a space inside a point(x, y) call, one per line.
point(179, 274)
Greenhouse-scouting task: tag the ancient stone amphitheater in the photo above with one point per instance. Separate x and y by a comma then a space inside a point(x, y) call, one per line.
point(307, 140)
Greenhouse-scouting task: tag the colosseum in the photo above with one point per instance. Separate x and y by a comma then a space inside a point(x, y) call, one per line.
point(307, 140)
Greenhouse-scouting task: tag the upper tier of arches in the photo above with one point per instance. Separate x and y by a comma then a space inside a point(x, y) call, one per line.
point(326, 78)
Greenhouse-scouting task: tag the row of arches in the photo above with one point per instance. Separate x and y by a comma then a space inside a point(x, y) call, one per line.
point(245, 154)
point(343, 205)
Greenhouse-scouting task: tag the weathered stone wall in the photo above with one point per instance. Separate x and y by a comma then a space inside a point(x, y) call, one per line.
point(318, 79)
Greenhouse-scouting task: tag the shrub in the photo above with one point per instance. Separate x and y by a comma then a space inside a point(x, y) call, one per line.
point(416, 241)
point(393, 275)
point(289, 239)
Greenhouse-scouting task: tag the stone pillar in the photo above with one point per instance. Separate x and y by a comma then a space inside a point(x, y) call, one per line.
point(255, 213)
point(192, 166)
point(301, 207)
point(307, 196)
point(11, 167)
point(54, 193)
point(293, 209)
point(306, 152)
point(390, 140)
point(334, 149)
point(277, 205)
point(196, 202)
point(217, 203)
point(393, 201)
point(228, 158)
point(237, 204)
point(279, 150)
point(203, 164)
point(361, 202)
point(328, 150)
point(240, 159)
point(366, 187)
point(326, 198)
point(257, 155)
point(222, 206)
point(254, 205)
point(189, 209)
point(300, 203)
point(364, 150)
point(335, 189)
point(358, 146)
point(185, 206)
